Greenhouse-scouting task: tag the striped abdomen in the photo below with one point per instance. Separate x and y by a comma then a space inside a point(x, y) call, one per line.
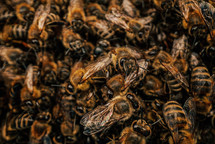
point(19, 31)
point(7, 15)
point(52, 18)
point(174, 85)
point(175, 116)
point(20, 122)
point(201, 82)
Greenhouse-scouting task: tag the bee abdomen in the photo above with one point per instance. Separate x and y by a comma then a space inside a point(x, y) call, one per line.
point(6, 15)
point(52, 18)
point(174, 85)
point(19, 31)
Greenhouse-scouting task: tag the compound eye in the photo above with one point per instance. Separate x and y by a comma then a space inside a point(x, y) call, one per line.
point(133, 101)
point(29, 103)
point(140, 34)
point(70, 88)
point(35, 42)
point(122, 61)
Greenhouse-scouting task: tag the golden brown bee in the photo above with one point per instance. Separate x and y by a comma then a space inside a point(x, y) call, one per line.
point(73, 42)
point(137, 133)
point(152, 86)
point(179, 123)
point(14, 32)
point(16, 123)
point(6, 15)
point(76, 16)
point(164, 61)
point(114, 4)
point(164, 4)
point(75, 84)
point(41, 128)
point(69, 131)
point(201, 85)
point(94, 9)
point(192, 14)
point(118, 109)
point(24, 12)
point(123, 59)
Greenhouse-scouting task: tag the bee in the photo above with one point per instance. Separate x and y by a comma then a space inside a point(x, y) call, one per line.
point(164, 61)
point(75, 84)
point(164, 4)
point(137, 30)
point(94, 9)
point(123, 59)
point(201, 85)
point(14, 32)
point(137, 133)
point(152, 86)
point(73, 42)
point(24, 12)
point(41, 129)
point(16, 123)
point(61, 2)
point(6, 15)
point(100, 28)
point(180, 123)
point(63, 71)
point(192, 15)
point(36, 32)
point(118, 109)
point(101, 48)
point(69, 131)
point(76, 16)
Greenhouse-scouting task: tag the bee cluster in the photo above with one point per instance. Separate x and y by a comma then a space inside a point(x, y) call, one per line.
point(107, 71)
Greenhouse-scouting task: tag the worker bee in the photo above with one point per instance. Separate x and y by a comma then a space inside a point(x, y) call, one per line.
point(6, 15)
point(180, 123)
point(76, 16)
point(41, 128)
point(101, 48)
point(118, 109)
point(94, 9)
point(63, 71)
point(201, 85)
point(164, 61)
point(137, 30)
point(75, 84)
point(137, 133)
point(123, 59)
point(152, 86)
point(16, 123)
point(192, 15)
point(24, 12)
point(73, 42)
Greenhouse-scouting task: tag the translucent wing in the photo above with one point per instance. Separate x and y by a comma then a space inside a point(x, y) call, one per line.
point(141, 72)
point(44, 14)
point(99, 119)
point(190, 109)
point(96, 66)
point(175, 72)
point(118, 19)
point(29, 78)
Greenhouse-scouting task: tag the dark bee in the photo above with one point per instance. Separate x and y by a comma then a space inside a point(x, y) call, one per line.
point(94, 9)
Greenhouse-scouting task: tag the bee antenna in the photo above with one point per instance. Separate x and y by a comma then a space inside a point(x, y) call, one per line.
point(156, 122)
point(67, 52)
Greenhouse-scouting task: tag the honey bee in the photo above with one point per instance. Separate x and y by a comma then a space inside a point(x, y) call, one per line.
point(192, 15)
point(152, 86)
point(76, 16)
point(116, 84)
point(123, 59)
point(14, 32)
point(118, 109)
point(164, 61)
point(41, 129)
point(73, 41)
point(63, 71)
point(101, 48)
point(94, 9)
point(69, 131)
point(201, 85)
point(137, 133)
point(6, 15)
point(24, 12)
point(16, 123)
point(179, 122)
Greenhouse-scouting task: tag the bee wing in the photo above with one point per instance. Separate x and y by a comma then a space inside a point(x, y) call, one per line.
point(97, 66)
point(142, 70)
point(43, 16)
point(118, 19)
point(175, 72)
point(190, 109)
point(99, 119)
point(29, 78)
